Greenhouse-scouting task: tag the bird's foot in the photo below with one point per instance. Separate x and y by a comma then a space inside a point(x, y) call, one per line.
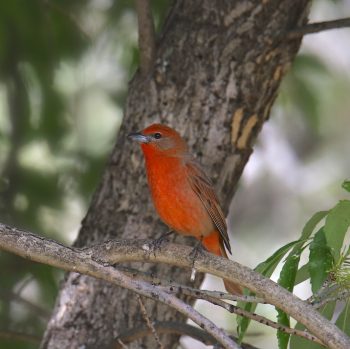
point(157, 243)
point(197, 250)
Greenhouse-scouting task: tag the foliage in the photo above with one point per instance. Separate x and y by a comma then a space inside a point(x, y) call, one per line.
point(327, 269)
point(53, 146)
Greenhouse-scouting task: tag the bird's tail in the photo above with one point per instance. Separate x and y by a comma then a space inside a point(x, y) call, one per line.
point(214, 244)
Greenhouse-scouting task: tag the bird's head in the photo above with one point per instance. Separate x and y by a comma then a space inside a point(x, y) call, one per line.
point(160, 140)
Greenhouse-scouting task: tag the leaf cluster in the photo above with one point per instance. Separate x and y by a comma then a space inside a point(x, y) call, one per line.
point(323, 242)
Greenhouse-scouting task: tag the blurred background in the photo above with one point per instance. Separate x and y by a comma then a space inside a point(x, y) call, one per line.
point(64, 71)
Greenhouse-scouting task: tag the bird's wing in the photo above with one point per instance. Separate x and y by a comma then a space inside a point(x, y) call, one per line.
point(203, 187)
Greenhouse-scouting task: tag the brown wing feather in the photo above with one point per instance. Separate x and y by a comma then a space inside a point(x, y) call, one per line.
point(203, 187)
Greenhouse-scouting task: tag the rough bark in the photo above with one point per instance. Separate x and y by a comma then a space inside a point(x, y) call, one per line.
point(217, 71)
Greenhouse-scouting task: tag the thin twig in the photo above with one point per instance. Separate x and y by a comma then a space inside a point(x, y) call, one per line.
point(342, 295)
point(215, 298)
point(326, 290)
point(176, 288)
point(317, 27)
point(263, 320)
point(211, 295)
point(179, 257)
point(203, 294)
point(170, 327)
point(146, 35)
point(149, 322)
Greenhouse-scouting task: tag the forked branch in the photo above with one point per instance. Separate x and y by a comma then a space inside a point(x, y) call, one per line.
point(92, 261)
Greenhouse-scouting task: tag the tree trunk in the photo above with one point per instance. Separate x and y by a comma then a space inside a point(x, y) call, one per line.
point(217, 71)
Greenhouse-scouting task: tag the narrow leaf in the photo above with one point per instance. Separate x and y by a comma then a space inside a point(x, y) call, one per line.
point(320, 260)
point(312, 223)
point(337, 224)
point(302, 274)
point(287, 280)
point(282, 337)
point(269, 265)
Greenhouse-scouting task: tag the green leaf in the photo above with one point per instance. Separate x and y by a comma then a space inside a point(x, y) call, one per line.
point(269, 265)
point(287, 280)
point(311, 224)
point(289, 270)
point(320, 260)
point(337, 224)
point(282, 337)
point(302, 274)
point(346, 185)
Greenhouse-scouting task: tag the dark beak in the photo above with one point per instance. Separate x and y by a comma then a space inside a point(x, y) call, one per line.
point(139, 137)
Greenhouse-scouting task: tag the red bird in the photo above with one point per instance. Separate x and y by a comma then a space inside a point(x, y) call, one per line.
point(182, 193)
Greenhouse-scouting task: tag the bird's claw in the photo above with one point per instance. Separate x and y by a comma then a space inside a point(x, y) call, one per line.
point(156, 244)
point(197, 250)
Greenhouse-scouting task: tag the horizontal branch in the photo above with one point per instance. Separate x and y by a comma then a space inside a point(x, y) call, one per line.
point(93, 261)
point(216, 297)
point(114, 252)
point(317, 27)
point(179, 289)
point(52, 253)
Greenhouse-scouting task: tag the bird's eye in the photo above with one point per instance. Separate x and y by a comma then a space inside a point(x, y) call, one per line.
point(157, 135)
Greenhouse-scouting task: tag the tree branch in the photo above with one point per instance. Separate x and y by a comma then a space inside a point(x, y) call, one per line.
point(170, 286)
point(52, 253)
point(116, 252)
point(146, 35)
point(216, 297)
point(317, 27)
point(149, 322)
point(263, 320)
point(93, 262)
point(342, 295)
point(170, 327)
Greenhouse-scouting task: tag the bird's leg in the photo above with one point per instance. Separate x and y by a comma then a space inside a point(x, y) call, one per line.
point(198, 249)
point(156, 243)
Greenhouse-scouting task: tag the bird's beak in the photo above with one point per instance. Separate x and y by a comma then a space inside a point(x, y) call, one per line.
point(139, 137)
